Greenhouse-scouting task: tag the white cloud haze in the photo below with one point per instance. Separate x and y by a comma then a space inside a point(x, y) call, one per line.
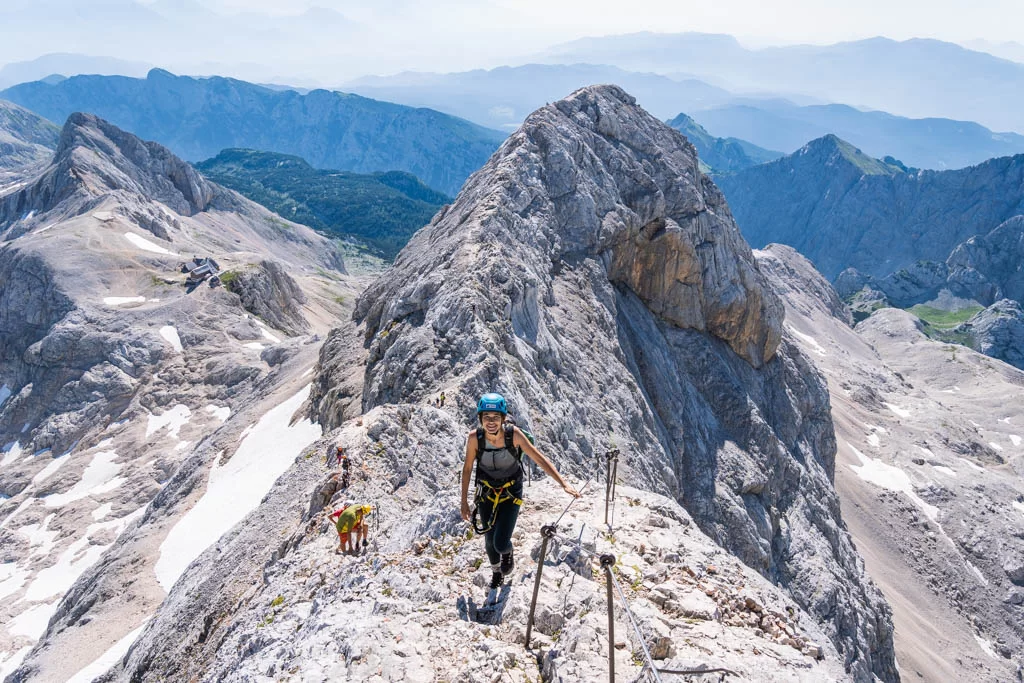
point(330, 41)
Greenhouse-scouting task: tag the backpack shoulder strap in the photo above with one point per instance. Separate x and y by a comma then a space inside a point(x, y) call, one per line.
point(481, 443)
point(510, 445)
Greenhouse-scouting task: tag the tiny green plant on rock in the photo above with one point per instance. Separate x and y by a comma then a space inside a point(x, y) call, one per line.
point(229, 278)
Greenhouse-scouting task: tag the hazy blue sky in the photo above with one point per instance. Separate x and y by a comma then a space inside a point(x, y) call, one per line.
point(776, 21)
point(330, 41)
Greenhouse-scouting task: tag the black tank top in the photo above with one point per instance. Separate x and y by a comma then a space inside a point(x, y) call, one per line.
point(498, 463)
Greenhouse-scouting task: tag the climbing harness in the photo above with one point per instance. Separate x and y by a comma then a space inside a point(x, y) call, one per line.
point(496, 495)
point(489, 491)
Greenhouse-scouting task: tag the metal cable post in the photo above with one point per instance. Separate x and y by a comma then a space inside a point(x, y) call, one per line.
point(636, 630)
point(607, 562)
point(611, 462)
point(547, 532)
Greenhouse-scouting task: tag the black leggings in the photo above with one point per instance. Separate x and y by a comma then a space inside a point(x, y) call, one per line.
point(499, 539)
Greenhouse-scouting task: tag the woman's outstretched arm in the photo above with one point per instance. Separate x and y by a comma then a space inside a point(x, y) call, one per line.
point(467, 470)
point(522, 442)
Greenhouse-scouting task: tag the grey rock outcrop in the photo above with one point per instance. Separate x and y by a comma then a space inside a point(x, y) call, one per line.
point(998, 331)
point(985, 270)
point(915, 284)
point(267, 290)
point(990, 266)
point(591, 273)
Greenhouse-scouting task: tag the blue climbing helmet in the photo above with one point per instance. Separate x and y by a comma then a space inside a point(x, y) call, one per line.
point(492, 403)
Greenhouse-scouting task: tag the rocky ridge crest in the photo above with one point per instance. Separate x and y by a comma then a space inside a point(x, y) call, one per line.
point(593, 274)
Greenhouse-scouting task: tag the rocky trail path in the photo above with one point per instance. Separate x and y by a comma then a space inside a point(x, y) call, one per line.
point(403, 608)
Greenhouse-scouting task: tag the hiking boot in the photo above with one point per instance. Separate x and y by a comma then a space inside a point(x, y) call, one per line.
point(507, 563)
point(496, 580)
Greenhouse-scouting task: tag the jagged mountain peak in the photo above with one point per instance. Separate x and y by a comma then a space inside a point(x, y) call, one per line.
point(26, 140)
point(833, 150)
point(116, 159)
point(596, 176)
point(105, 342)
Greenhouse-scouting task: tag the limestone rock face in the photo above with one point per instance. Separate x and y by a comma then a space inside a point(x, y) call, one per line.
point(998, 331)
point(990, 267)
point(593, 275)
point(268, 291)
point(594, 176)
point(929, 471)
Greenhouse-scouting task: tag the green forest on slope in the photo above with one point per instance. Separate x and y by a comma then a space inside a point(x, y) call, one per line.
point(382, 210)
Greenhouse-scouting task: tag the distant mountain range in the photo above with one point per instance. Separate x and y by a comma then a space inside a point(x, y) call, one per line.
point(68, 64)
point(924, 143)
point(381, 209)
point(501, 97)
point(721, 154)
point(1009, 49)
point(916, 78)
point(198, 117)
point(842, 208)
point(188, 36)
point(25, 137)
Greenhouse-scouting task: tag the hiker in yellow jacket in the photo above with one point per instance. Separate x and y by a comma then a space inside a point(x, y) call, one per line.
point(348, 520)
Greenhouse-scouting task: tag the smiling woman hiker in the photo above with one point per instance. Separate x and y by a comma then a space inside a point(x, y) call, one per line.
point(497, 448)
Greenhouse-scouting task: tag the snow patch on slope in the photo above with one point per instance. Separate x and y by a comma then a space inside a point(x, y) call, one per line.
point(170, 335)
point(11, 451)
point(222, 413)
point(99, 477)
point(73, 562)
point(901, 412)
point(122, 300)
point(891, 478)
point(101, 664)
point(174, 419)
point(237, 487)
point(144, 244)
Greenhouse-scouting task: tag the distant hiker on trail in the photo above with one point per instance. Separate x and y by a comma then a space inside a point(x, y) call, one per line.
point(497, 448)
point(348, 520)
point(345, 468)
point(440, 401)
point(339, 454)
